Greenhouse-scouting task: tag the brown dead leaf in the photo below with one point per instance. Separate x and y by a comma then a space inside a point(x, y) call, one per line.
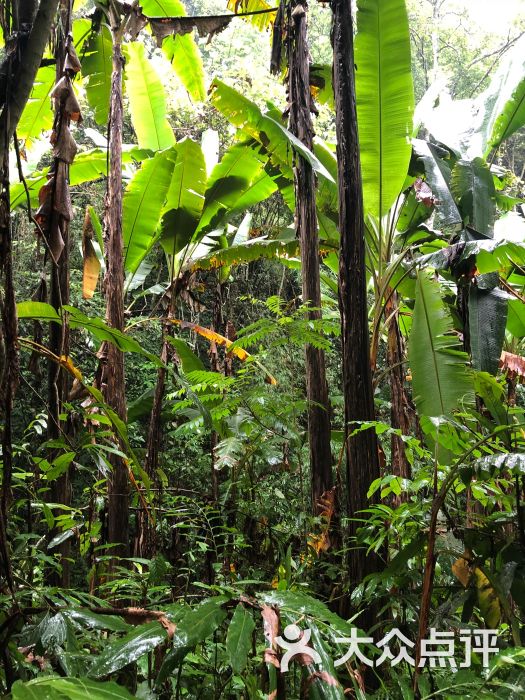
point(205, 26)
point(323, 676)
point(65, 146)
point(271, 631)
point(71, 63)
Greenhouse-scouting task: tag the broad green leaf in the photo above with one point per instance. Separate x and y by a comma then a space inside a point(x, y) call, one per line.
point(493, 394)
point(236, 183)
point(487, 316)
point(90, 620)
point(54, 688)
point(163, 8)
point(327, 191)
point(439, 368)
point(88, 165)
point(239, 638)
point(210, 148)
point(276, 139)
point(186, 59)
point(96, 69)
point(299, 604)
point(95, 326)
point(143, 202)
point(323, 684)
point(438, 173)
point(37, 310)
point(321, 83)
point(197, 624)
point(507, 463)
point(38, 114)
point(516, 318)
point(185, 197)
point(473, 187)
point(504, 99)
point(122, 652)
point(147, 100)
point(385, 100)
point(189, 360)
point(246, 252)
point(261, 21)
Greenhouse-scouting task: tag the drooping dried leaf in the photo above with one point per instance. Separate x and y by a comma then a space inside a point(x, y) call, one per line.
point(278, 39)
point(62, 198)
point(61, 89)
point(322, 676)
point(205, 26)
point(63, 94)
point(65, 146)
point(55, 241)
point(71, 63)
point(271, 631)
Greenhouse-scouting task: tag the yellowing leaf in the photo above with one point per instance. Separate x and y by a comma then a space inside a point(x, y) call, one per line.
point(488, 600)
point(91, 269)
point(67, 363)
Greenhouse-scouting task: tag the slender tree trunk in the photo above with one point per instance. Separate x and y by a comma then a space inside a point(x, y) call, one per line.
point(399, 402)
point(306, 226)
point(9, 360)
point(113, 380)
point(58, 378)
point(362, 449)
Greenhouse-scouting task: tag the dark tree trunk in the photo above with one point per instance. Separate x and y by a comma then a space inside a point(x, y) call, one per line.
point(306, 227)
point(399, 402)
point(58, 378)
point(9, 361)
point(112, 381)
point(362, 449)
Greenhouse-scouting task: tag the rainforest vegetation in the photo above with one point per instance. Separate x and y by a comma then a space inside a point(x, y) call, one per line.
point(262, 359)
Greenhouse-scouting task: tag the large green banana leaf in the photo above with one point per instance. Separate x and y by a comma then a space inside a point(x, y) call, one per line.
point(37, 115)
point(185, 197)
point(385, 100)
point(236, 183)
point(143, 202)
point(440, 375)
point(185, 57)
point(96, 69)
point(276, 139)
point(163, 8)
point(147, 100)
point(261, 21)
point(504, 100)
point(473, 187)
point(474, 127)
point(487, 315)
point(438, 173)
